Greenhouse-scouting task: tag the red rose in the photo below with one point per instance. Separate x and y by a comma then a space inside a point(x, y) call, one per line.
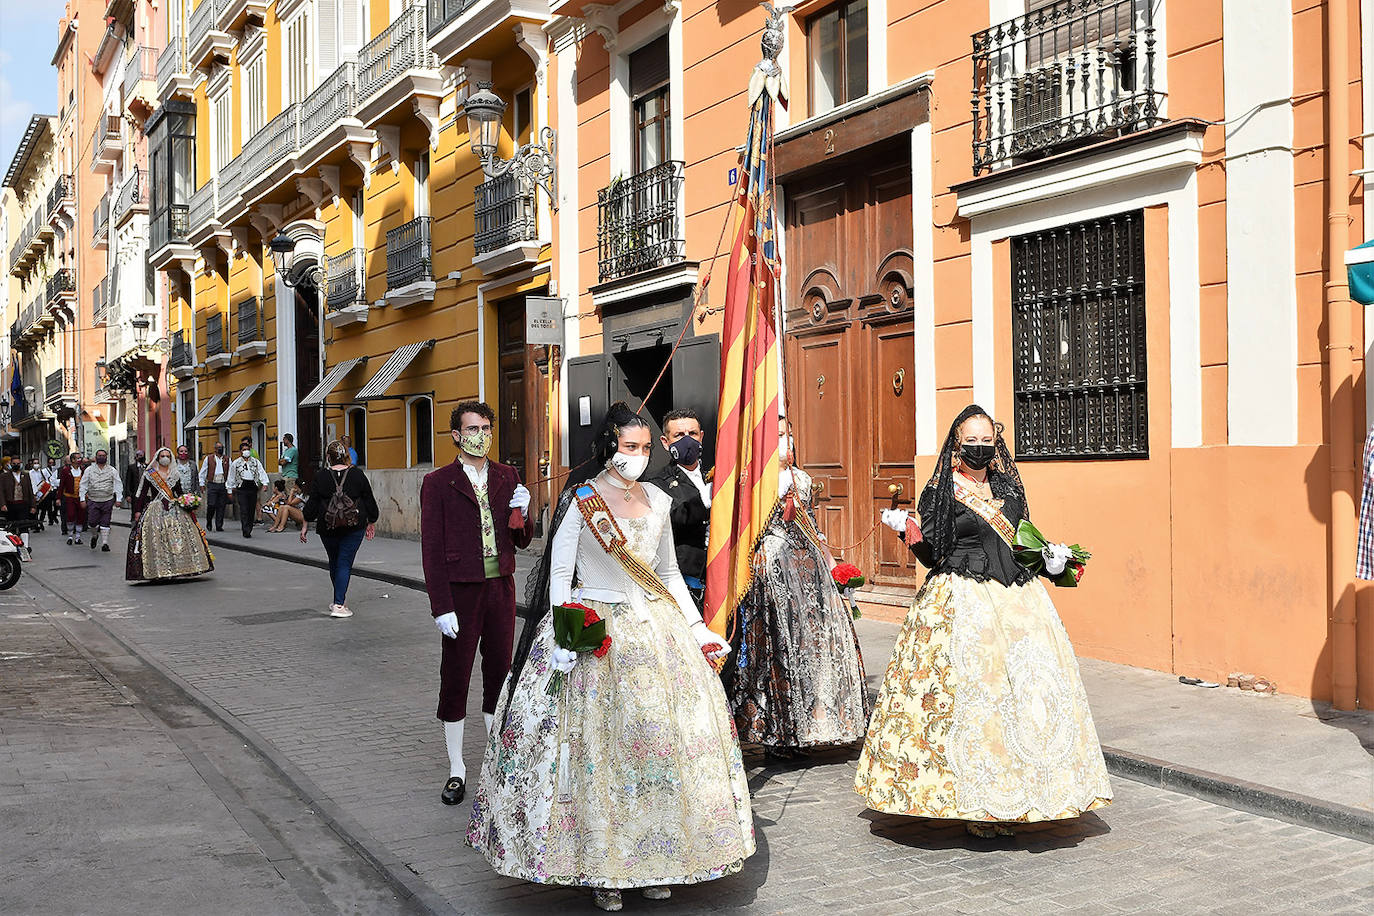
point(843, 572)
point(590, 618)
point(601, 650)
point(1077, 571)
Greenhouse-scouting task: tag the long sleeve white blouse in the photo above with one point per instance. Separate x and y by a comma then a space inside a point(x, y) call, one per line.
point(580, 569)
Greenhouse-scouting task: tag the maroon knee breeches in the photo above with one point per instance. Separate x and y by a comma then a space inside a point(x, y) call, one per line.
point(486, 615)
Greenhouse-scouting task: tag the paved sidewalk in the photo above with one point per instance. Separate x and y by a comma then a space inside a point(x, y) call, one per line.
point(1246, 742)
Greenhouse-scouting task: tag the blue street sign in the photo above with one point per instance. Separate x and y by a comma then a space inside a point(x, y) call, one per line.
point(734, 176)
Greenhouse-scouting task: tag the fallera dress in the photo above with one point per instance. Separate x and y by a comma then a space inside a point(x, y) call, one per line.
point(166, 543)
point(796, 678)
point(982, 714)
point(631, 776)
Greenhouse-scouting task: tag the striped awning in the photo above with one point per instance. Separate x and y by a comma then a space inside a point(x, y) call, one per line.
point(388, 374)
point(227, 417)
point(331, 381)
point(199, 418)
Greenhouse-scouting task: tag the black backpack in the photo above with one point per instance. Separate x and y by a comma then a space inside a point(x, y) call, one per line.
point(342, 510)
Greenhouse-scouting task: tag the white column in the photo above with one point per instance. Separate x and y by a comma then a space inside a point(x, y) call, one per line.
point(923, 330)
point(287, 396)
point(1261, 292)
point(568, 252)
point(877, 45)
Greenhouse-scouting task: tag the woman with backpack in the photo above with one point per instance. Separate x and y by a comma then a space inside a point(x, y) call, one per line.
point(345, 512)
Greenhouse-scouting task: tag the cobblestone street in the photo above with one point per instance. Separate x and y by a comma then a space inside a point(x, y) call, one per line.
point(346, 709)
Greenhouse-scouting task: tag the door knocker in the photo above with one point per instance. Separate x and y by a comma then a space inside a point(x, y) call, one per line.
point(820, 386)
point(899, 382)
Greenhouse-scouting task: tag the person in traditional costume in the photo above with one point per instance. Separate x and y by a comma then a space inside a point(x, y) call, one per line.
point(166, 543)
point(629, 775)
point(981, 716)
point(796, 679)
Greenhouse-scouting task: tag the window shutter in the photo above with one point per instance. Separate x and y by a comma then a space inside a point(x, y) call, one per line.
point(649, 67)
point(327, 13)
point(351, 33)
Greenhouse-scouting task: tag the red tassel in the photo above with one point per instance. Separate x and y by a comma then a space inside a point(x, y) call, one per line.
point(789, 509)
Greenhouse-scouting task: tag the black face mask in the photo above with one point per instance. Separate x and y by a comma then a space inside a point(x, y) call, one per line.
point(686, 450)
point(976, 457)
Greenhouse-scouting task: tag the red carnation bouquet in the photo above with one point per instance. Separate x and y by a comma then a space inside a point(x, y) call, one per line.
point(576, 629)
point(848, 577)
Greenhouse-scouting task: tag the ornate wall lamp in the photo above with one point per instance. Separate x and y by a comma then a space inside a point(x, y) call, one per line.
point(533, 162)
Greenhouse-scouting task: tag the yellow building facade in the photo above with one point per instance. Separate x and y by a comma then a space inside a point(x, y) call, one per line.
point(339, 130)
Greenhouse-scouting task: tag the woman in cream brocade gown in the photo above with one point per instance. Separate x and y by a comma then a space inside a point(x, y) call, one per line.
point(632, 775)
point(166, 543)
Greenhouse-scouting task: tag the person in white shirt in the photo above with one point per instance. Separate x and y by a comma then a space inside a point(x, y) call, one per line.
point(49, 509)
point(685, 479)
point(100, 489)
point(214, 471)
point(246, 477)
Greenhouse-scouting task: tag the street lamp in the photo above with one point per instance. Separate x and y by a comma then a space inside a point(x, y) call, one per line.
point(533, 162)
point(283, 247)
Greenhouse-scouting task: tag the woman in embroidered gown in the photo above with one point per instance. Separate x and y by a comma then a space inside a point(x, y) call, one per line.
point(631, 776)
point(166, 542)
point(797, 678)
point(981, 716)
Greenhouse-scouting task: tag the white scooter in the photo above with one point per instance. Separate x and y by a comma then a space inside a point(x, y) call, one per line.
point(13, 554)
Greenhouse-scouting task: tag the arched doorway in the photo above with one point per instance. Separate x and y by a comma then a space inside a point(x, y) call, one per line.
point(309, 421)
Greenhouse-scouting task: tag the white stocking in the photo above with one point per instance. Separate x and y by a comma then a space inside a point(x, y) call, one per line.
point(104, 536)
point(453, 737)
point(488, 718)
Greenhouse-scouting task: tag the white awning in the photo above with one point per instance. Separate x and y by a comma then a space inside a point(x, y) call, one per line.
point(331, 381)
point(388, 374)
point(227, 417)
point(204, 411)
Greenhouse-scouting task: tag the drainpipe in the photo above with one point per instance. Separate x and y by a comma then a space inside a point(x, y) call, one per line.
point(1340, 359)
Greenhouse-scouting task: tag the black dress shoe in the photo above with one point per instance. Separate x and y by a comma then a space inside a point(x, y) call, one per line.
point(105, 548)
point(454, 790)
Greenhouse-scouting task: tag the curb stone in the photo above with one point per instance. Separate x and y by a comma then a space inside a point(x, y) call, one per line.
point(406, 882)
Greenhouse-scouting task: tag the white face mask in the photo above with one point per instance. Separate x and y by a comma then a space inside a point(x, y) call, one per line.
point(165, 461)
point(629, 466)
point(246, 453)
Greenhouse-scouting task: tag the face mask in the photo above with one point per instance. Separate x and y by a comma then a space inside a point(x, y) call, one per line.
point(976, 457)
point(246, 453)
point(629, 466)
point(685, 451)
point(165, 461)
point(475, 444)
point(100, 459)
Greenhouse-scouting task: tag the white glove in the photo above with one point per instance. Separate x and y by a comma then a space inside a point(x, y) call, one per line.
point(520, 499)
point(705, 637)
point(784, 483)
point(447, 624)
point(562, 659)
point(1056, 556)
point(896, 519)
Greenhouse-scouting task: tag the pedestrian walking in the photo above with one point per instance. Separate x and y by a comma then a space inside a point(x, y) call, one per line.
point(246, 477)
point(133, 476)
point(214, 473)
point(99, 491)
point(344, 511)
point(981, 716)
point(166, 543)
point(45, 491)
point(16, 495)
point(69, 487)
point(468, 549)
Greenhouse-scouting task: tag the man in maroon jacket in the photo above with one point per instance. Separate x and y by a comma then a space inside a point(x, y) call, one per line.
point(468, 547)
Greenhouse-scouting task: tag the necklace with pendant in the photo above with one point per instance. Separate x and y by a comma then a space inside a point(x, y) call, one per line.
point(625, 490)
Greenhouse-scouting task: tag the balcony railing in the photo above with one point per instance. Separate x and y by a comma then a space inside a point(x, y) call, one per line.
point(171, 227)
point(1065, 74)
point(442, 12)
point(63, 191)
point(408, 254)
point(638, 226)
point(171, 63)
point(101, 295)
point(401, 46)
point(100, 220)
point(63, 281)
point(201, 212)
point(504, 213)
point(346, 283)
point(329, 104)
point(141, 66)
point(214, 334)
point(230, 183)
point(181, 355)
point(250, 321)
point(109, 130)
point(202, 21)
point(59, 383)
point(270, 146)
point(130, 194)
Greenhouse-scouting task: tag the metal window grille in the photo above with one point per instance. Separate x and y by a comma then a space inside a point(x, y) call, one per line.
point(181, 351)
point(504, 212)
point(408, 253)
point(250, 321)
point(1078, 340)
point(214, 335)
point(637, 225)
point(345, 281)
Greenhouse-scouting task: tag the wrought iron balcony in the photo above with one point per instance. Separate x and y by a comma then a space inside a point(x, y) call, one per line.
point(347, 283)
point(505, 213)
point(1064, 75)
point(214, 336)
point(277, 141)
point(63, 192)
point(141, 69)
point(408, 254)
point(171, 227)
point(60, 385)
point(100, 223)
point(442, 12)
point(61, 283)
point(101, 296)
point(130, 197)
point(201, 212)
point(230, 185)
point(250, 326)
point(401, 46)
point(203, 35)
point(171, 67)
point(182, 356)
point(638, 225)
point(333, 101)
point(109, 142)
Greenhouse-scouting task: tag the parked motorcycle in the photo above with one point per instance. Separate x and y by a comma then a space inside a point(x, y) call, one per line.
point(13, 556)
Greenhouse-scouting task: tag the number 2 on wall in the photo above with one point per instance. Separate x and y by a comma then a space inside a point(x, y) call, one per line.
point(829, 140)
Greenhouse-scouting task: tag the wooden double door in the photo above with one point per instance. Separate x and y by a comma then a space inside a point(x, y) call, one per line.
point(850, 356)
point(522, 402)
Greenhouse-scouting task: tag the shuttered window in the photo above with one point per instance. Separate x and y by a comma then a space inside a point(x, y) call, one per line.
point(650, 98)
point(342, 31)
point(224, 130)
point(296, 59)
point(254, 96)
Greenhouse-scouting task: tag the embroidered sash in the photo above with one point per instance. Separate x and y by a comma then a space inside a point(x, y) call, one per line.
point(802, 519)
point(987, 512)
point(156, 480)
point(612, 540)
